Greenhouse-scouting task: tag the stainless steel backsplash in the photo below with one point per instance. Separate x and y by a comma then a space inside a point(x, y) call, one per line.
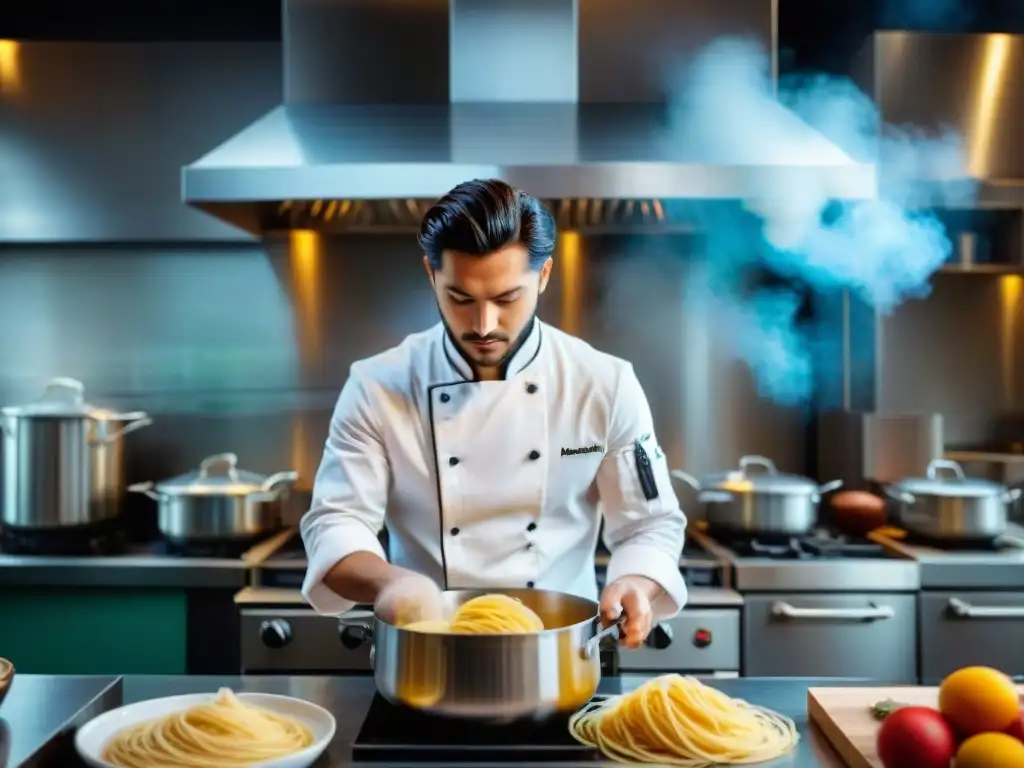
point(244, 347)
point(956, 353)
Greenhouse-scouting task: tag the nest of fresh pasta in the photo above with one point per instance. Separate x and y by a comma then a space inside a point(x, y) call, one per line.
point(493, 614)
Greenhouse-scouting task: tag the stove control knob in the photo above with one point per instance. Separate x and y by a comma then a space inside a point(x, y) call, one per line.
point(275, 633)
point(702, 638)
point(353, 636)
point(660, 637)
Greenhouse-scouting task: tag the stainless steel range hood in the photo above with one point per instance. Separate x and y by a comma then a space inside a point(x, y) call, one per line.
point(390, 103)
point(972, 84)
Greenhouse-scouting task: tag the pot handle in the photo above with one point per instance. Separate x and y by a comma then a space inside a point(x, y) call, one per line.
point(278, 479)
point(758, 461)
point(146, 488)
point(225, 463)
point(137, 420)
point(355, 635)
point(830, 486)
point(1012, 495)
point(593, 644)
point(901, 496)
point(689, 479)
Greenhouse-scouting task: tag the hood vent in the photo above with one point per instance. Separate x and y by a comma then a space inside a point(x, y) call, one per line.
point(390, 103)
point(404, 216)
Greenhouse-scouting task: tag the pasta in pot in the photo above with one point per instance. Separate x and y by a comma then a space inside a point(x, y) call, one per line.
point(676, 720)
point(224, 732)
point(493, 614)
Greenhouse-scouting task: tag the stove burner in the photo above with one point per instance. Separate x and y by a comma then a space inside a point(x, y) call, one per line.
point(398, 734)
point(813, 547)
point(106, 538)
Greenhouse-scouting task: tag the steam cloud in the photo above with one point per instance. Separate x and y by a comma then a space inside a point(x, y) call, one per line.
point(884, 250)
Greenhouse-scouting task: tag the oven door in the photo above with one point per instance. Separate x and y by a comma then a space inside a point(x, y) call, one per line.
point(286, 641)
point(962, 629)
point(870, 636)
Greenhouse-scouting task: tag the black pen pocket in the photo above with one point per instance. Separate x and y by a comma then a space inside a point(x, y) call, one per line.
point(645, 472)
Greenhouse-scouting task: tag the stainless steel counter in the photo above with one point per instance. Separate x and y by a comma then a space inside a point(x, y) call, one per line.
point(40, 712)
point(129, 570)
point(348, 698)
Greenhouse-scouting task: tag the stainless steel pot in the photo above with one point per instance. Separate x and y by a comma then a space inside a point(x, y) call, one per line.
point(218, 501)
point(764, 501)
point(63, 459)
point(493, 677)
point(946, 504)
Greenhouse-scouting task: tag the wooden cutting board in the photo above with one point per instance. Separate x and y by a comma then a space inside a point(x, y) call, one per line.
point(844, 716)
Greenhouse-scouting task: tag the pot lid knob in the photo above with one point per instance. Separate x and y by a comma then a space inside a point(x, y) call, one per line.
point(937, 467)
point(746, 462)
point(221, 465)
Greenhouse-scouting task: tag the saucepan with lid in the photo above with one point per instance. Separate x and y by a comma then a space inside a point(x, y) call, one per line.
point(948, 505)
point(757, 499)
point(493, 678)
point(219, 501)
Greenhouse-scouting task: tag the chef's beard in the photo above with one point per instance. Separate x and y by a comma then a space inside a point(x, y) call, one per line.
point(500, 363)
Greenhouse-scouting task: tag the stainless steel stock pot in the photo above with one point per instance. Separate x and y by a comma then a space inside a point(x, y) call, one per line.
point(63, 459)
point(492, 677)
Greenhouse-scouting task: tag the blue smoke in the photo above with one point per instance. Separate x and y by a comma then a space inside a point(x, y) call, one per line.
point(883, 250)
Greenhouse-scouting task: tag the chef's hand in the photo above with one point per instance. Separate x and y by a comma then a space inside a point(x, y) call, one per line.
point(632, 596)
point(407, 598)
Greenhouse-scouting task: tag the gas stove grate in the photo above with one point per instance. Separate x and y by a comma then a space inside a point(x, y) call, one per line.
point(806, 548)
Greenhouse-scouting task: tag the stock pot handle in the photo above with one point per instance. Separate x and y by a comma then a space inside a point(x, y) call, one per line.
point(137, 421)
point(593, 644)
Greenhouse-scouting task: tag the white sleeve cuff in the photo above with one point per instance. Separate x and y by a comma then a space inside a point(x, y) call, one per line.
point(335, 541)
point(655, 564)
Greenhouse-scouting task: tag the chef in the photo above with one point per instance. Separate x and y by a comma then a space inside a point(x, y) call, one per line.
point(493, 445)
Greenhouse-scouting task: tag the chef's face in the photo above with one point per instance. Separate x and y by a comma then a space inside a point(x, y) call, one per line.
point(486, 301)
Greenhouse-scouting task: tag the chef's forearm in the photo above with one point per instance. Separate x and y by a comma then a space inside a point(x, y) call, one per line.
point(361, 576)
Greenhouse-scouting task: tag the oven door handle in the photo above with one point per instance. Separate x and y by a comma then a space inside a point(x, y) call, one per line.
point(961, 609)
point(872, 613)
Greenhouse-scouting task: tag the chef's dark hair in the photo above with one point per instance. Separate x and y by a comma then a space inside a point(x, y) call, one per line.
point(485, 215)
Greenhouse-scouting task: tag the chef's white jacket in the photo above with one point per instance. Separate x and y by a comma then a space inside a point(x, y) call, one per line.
point(495, 483)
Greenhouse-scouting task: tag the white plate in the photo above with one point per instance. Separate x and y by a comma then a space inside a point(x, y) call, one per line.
point(94, 735)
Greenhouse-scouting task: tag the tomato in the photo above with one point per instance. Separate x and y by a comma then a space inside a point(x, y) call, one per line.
point(1016, 728)
point(917, 736)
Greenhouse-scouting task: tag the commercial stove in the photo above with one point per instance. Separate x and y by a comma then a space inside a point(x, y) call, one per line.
point(281, 634)
point(822, 605)
point(971, 605)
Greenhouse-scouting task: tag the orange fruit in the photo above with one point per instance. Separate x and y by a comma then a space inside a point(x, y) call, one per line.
point(978, 699)
point(990, 750)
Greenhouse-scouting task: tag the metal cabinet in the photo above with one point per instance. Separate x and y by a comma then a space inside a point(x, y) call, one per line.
point(851, 635)
point(960, 629)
